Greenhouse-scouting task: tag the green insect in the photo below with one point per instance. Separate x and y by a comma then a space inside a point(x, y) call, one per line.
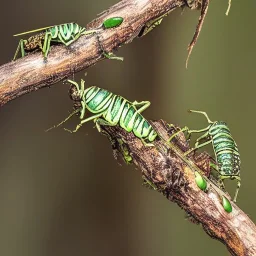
point(225, 148)
point(110, 109)
point(65, 33)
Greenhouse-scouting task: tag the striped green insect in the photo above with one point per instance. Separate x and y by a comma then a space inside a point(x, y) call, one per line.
point(65, 33)
point(225, 148)
point(110, 109)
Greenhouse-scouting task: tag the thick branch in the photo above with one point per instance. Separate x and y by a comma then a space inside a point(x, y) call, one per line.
point(167, 172)
point(32, 72)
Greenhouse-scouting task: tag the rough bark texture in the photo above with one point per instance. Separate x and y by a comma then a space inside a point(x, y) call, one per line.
point(165, 171)
point(31, 73)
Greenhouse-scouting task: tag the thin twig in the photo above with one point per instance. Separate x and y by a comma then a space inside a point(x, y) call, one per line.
point(170, 174)
point(31, 73)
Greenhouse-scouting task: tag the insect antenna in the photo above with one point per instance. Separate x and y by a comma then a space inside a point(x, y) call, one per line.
point(229, 6)
point(65, 120)
point(32, 31)
point(203, 113)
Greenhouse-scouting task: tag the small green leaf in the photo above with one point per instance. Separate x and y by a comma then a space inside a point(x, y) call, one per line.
point(200, 181)
point(226, 204)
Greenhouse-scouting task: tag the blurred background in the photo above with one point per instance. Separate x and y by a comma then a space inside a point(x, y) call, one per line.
point(64, 194)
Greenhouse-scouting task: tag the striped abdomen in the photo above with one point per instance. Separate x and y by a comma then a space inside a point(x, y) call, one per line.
point(65, 31)
point(225, 149)
point(117, 110)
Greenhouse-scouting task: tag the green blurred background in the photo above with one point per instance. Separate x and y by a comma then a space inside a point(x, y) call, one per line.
point(64, 194)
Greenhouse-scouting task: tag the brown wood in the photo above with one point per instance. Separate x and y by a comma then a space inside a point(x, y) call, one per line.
point(172, 176)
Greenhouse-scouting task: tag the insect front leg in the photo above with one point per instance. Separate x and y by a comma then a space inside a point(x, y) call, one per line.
point(84, 121)
point(197, 145)
point(176, 133)
point(20, 48)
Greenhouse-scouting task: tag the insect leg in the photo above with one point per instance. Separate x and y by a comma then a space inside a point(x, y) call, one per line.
point(197, 146)
point(84, 121)
point(46, 47)
point(103, 122)
point(109, 55)
point(176, 133)
point(238, 183)
point(20, 48)
point(237, 188)
point(141, 106)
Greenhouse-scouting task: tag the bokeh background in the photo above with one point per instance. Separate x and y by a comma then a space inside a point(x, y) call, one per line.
point(64, 194)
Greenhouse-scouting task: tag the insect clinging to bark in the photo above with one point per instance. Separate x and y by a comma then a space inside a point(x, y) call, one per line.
point(110, 109)
point(66, 34)
point(225, 148)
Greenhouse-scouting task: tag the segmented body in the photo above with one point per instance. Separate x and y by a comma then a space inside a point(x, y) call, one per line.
point(117, 110)
point(225, 148)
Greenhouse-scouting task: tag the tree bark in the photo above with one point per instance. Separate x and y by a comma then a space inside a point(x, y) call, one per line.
point(169, 172)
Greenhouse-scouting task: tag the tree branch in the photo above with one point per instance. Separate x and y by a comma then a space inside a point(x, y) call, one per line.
point(31, 72)
point(172, 175)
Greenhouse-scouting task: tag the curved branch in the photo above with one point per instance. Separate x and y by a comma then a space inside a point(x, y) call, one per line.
point(172, 175)
point(31, 73)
